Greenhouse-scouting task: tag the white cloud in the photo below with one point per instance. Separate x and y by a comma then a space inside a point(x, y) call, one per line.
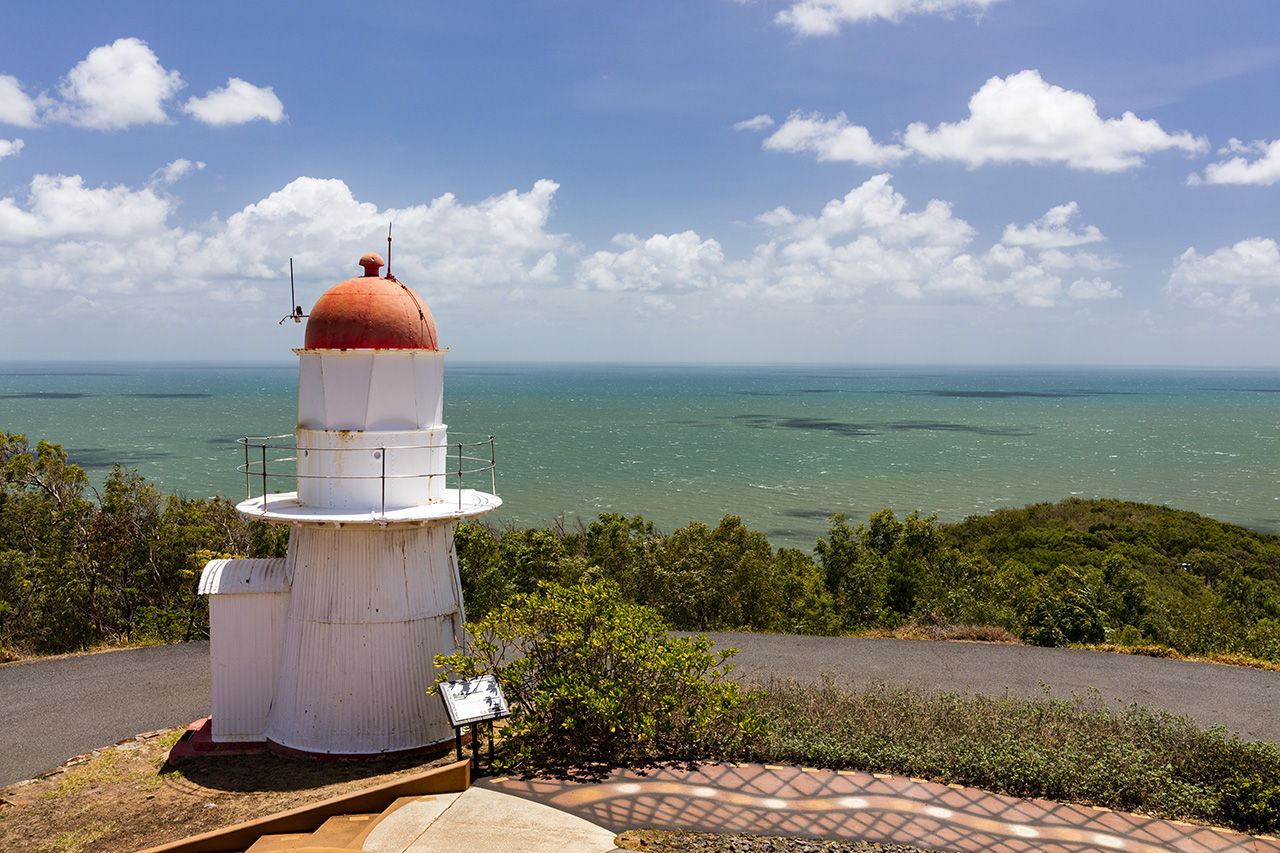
point(499, 241)
point(236, 103)
point(760, 122)
point(834, 139)
point(175, 170)
point(1052, 231)
point(1262, 171)
point(9, 147)
point(1226, 279)
point(110, 242)
point(61, 206)
point(1093, 288)
point(1035, 281)
point(662, 263)
point(16, 107)
point(1021, 118)
point(116, 86)
point(865, 247)
point(825, 17)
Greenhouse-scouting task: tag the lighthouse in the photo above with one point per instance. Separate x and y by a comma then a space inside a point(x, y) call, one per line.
point(330, 650)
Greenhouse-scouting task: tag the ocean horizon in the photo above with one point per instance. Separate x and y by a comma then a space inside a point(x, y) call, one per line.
point(783, 446)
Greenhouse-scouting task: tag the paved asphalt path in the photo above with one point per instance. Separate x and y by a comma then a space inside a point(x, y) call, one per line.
point(52, 710)
point(1246, 701)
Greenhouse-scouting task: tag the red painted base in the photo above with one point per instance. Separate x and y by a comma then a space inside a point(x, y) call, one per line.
point(431, 750)
point(197, 741)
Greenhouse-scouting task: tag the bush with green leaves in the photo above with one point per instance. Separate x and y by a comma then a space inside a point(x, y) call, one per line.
point(81, 567)
point(1243, 778)
point(1079, 750)
point(594, 682)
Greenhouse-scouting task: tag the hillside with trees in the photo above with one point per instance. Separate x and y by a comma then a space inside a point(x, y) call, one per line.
point(83, 568)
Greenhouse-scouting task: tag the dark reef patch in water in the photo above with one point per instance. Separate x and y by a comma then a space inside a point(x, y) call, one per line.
point(98, 458)
point(997, 395)
point(44, 395)
point(939, 426)
point(808, 513)
point(859, 430)
point(794, 393)
point(171, 396)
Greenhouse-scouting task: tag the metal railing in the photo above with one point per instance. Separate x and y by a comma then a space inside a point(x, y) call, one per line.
point(263, 461)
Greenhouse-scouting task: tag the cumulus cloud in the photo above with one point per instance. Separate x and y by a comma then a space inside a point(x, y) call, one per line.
point(1052, 231)
point(825, 17)
point(834, 139)
point(116, 86)
point(1093, 288)
point(867, 245)
point(116, 240)
point(16, 107)
point(9, 147)
point(123, 84)
point(61, 206)
point(760, 122)
point(1226, 280)
point(173, 171)
point(1016, 119)
point(1021, 118)
point(1262, 170)
point(237, 102)
point(662, 263)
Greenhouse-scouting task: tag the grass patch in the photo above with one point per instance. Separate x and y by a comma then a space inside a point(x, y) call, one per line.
point(1079, 750)
point(76, 840)
point(105, 767)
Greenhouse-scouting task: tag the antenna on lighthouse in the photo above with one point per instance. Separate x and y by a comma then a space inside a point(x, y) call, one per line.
point(295, 310)
point(389, 275)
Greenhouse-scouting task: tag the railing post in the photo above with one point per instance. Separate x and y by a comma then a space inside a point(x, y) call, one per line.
point(493, 469)
point(248, 475)
point(264, 476)
point(460, 480)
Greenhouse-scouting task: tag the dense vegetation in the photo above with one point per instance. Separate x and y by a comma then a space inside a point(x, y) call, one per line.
point(120, 567)
point(1075, 572)
point(81, 568)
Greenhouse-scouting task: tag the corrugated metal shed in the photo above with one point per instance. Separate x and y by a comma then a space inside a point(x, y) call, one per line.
point(248, 606)
point(222, 577)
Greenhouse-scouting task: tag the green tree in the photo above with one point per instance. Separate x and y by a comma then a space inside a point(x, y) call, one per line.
point(1064, 611)
point(593, 680)
point(716, 579)
point(854, 575)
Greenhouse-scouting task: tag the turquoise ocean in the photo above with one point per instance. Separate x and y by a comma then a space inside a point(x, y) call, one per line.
point(784, 447)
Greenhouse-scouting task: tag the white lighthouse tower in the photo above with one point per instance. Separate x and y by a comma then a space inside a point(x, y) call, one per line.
point(329, 652)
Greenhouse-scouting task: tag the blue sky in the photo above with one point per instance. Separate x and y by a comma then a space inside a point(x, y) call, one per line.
point(963, 181)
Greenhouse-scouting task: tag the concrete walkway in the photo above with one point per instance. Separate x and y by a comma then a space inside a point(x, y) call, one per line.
point(790, 801)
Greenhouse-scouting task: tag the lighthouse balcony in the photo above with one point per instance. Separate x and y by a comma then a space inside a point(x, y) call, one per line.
point(368, 477)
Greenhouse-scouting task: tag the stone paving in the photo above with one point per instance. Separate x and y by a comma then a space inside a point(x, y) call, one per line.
point(791, 801)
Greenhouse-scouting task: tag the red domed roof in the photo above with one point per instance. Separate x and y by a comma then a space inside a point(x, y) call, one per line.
point(370, 312)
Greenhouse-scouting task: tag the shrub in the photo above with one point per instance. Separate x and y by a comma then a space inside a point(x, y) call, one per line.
point(594, 682)
point(1243, 778)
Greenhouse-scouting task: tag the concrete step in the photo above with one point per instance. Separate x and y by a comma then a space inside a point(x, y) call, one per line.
point(365, 832)
point(340, 832)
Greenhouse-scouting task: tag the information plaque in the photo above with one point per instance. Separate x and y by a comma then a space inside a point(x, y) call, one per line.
point(474, 700)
